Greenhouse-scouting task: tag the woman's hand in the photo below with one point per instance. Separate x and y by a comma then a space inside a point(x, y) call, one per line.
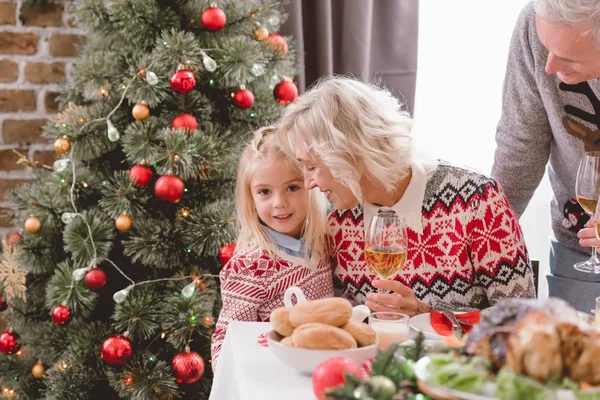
point(403, 300)
point(587, 236)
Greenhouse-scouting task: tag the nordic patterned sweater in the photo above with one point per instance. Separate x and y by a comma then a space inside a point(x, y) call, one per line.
point(469, 254)
point(544, 120)
point(253, 284)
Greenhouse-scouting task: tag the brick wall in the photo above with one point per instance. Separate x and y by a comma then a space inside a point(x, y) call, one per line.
point(37, 50)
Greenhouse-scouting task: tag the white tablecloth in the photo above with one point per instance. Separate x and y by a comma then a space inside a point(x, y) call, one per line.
point(248, 371)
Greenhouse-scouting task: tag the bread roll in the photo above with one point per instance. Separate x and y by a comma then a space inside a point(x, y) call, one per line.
point(322, 337)
point(363, 333)
point(333, 311)
point(280, 320)
point(288, 341)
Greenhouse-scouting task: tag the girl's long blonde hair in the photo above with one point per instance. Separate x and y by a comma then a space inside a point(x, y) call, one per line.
point(261, 152)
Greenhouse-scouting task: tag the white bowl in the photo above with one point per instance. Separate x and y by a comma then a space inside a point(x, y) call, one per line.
point(307, 360)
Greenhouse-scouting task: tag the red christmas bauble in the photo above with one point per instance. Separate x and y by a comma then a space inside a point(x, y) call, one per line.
point(277, 43)
point(9, 343)
point(183, 81)
point(243, 98)
point(226, 252)
point(3, 303)
point(185, 121)
point(116, 350)
point(213, 19)
point(13, 238)
point(169, 188)
point(285, 92)
point(330, 374)
point(140, 175)
point(95, 279)
point(61, 315)
point(188, 367)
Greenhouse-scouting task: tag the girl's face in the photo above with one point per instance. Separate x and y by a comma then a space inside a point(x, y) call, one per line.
point(280, 198)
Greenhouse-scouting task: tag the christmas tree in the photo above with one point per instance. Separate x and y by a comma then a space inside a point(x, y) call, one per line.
point(112, 288)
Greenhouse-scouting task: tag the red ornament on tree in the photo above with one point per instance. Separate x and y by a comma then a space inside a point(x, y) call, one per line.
point(188, 367)
point(185, 121)
point(277, 43)
point(183, 81)
point(226, 252)
point(9, 343)
point(140, 175)
point(213, 19)
point(116, 350)
point(13, 238)
point(243, 98)
point(61, 315)
point(285, 92)
point(169, 188)
point(95, 279)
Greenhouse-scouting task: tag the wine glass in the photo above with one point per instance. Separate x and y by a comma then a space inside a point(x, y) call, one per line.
point(386, 244)
point(587, 188)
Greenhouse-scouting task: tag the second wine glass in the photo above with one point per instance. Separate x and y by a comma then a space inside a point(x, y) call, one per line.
point(587, 188)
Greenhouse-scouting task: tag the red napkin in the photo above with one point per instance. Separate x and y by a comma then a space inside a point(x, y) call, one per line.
point(443, 327)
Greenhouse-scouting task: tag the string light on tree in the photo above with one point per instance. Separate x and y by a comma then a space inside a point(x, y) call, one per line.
point(116, 350)
point(188, 366)
point(169, 188)
point(95, 279)
point(62, 145)
point(186, 122)
point(61, 315)
point(140, 175)
point(140, 111)
point(183, 80)
point(285, 92)
point(243, 98)
point(213, 18)
point(124, 222)
point(33, 224)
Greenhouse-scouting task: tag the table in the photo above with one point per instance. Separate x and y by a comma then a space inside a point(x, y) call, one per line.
point(248, 371)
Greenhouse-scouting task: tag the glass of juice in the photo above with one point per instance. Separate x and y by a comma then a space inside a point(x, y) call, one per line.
point(390, 327)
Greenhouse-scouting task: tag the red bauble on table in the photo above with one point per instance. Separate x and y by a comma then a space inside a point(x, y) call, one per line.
point(140, 175)
point(169, 188)
point(61, 315)
point(95, 279)
point(188, 367)
point(116, 350)
point(243, 98)
point(277, 43)
point(183, 81)
point(285, 92)
point(185, 121)
point(9, 343)
point(213, 19)
point(226, 252)
point(330, 374)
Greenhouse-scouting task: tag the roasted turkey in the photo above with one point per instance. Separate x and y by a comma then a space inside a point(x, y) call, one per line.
point(540, 339)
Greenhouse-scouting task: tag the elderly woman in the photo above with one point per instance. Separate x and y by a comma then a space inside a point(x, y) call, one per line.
point(465, 245)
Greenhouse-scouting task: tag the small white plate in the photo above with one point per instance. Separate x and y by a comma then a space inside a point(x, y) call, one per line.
point(422, 323)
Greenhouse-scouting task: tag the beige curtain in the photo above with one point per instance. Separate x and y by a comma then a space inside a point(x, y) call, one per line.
point(375, 40)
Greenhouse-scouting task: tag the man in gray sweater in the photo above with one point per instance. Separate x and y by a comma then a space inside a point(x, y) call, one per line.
point(551, 113)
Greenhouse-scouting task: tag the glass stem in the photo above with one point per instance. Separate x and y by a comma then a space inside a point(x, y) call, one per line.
point(594, 253)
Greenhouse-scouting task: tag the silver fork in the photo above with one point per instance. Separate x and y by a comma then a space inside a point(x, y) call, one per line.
point(457, 329)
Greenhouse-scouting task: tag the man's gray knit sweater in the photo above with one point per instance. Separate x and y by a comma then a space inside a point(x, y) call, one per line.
point(544, 119)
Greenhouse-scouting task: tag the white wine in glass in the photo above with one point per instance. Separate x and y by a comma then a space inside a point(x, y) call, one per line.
point(587, 188)
point(386, 245)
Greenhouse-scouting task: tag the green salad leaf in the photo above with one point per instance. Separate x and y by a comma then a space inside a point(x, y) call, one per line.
point(459, 373)
point(512, 386)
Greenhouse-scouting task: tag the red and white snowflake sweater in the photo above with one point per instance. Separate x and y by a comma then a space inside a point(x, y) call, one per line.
point(465, 250)
point(253, 284)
